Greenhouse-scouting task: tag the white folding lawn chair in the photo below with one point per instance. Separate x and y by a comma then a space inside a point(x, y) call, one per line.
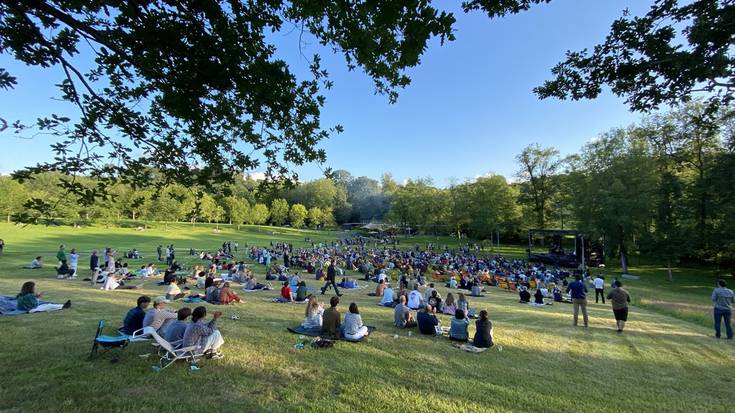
point(169, 354)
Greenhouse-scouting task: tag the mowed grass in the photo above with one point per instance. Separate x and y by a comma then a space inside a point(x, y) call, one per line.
point(661, 363)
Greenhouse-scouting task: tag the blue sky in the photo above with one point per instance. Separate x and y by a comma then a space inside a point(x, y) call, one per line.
point(469, 110)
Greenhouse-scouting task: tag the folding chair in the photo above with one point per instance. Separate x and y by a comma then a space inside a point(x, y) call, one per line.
point(169, 354)
point(107, 342)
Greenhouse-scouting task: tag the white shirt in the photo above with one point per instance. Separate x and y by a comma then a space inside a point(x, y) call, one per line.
point(599, 283)
point(73, 260)
point(414, 299)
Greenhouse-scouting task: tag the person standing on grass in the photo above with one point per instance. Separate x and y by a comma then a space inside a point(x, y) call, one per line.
point(620, 299)
point(599, 283)
point(2, 246)
point(159, 251)
point(579, 299)
point(61, 255)
point(331, 275)
point(73, 263)
point(722, 297)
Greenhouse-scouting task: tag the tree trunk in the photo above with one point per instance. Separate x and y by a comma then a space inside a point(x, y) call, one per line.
point(8, 218)
point(668, 265)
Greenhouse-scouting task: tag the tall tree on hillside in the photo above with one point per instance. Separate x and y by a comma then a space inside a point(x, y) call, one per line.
point(298, 215)
point(537, 169)
point(259, 215)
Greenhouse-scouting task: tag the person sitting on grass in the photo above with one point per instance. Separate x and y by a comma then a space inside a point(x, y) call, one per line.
point(538, 298)
point(452, 283)
point(463, 304)
point(227, 296)
point(173, 292)
point(175, 332)
point(476, 290)
point(313, 314)
point(286, 293)
point(379, 289)
point(429, 291)
point(402, 317)
point(415, 299)
point(114, 282)
point(205, 336)
point(388, 296)
point(301, 292)
point(134, 318)
point(212, 293)
point(458, 327)
point(449, 306)
point(159, 317)
point(524, 295)
point(253, 285)
point(331, 319)
point(27, 300)
point(483, 331)
point(353, 328)
point(63, 270)
point(435, 300)
point(36, 263)
point(428, 322)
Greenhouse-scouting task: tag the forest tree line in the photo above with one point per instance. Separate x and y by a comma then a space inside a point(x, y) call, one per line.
point(663, 187)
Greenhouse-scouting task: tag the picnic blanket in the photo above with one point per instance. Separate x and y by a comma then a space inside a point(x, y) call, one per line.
point(9, 306)
point(313, 333)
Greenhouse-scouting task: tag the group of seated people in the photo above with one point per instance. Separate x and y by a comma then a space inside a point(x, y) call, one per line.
point(429, 324)
point(173, 327)
point(329, 322)
point(542, 293)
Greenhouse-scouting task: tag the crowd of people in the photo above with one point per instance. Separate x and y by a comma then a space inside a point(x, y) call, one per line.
point(399, 276)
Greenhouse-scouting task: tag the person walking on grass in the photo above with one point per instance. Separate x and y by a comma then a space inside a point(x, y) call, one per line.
point(61, 254)
point(620, 299)
point(722, 297)
point(331, 275)
point(579, 299)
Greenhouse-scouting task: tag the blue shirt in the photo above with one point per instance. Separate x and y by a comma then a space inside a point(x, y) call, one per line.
point(133, 320)
point(578, 290)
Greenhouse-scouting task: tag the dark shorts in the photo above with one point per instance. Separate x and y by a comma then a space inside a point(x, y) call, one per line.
point(621, 314)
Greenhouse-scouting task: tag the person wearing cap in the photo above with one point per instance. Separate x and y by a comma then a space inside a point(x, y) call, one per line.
point(159, 317)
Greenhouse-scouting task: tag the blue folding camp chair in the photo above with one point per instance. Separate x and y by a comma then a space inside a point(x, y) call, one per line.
point(108, 342)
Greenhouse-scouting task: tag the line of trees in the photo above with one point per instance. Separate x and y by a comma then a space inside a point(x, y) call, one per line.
point(663, 187)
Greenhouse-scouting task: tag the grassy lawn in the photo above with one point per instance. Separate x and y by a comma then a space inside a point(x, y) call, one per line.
point(665, 361)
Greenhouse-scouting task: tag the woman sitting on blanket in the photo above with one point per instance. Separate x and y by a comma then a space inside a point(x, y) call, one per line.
point(483, 331)
point(435, 300)
point(538, 298)
point(27, 300)
point(227, 296)
point(353, 329)
point(449, 305)
point(458, 328)
point(313, 314)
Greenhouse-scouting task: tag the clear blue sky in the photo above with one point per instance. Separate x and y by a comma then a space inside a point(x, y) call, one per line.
point(468, 111)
